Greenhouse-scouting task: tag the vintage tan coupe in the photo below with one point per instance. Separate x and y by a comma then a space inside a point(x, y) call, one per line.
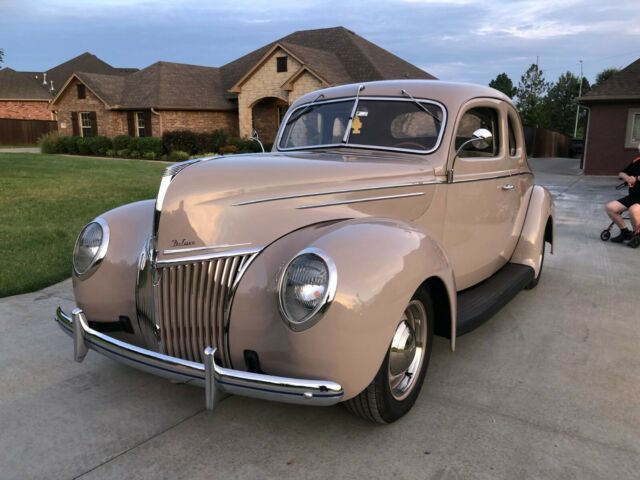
point(319, 272)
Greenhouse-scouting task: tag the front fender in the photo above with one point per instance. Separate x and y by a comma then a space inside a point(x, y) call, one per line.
point(380, 264)
point(108, 293)
point(538, 227)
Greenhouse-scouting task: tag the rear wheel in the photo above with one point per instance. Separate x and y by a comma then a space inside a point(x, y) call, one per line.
point(605, 235)
point(397, 384)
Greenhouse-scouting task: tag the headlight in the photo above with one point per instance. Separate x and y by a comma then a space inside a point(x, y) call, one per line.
point(307, 288)
point(91, 247)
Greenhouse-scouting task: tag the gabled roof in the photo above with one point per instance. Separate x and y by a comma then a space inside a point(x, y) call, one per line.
point(621, 86)
point(163, 85)
point(21, 86)
point(337, 54)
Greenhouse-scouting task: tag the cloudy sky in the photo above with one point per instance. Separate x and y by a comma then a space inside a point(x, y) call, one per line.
point(461, 40)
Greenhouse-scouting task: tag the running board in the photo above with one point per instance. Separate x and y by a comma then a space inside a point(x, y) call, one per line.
point(479, 303)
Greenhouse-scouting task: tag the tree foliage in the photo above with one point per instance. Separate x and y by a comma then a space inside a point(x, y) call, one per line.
point(504, 84)
point(530, 96)
point(1, 55)
point(561, 102)
point(605, 75)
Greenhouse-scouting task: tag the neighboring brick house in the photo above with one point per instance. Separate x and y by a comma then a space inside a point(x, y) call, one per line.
point(613, 129)
point(252, 92)
point(26, 95)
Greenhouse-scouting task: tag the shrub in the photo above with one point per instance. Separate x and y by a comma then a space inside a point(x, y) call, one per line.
point(245, 145)
point(227, 149)
point(70, 144)
point(122, 142)
point(180, 140)
point(84, 146)
point(110, 153)
point(124, 153)
point(51, 143)
point(178, 156)
point(149, 155)
point(99, 145)
point(147, 144)
point(134, 154)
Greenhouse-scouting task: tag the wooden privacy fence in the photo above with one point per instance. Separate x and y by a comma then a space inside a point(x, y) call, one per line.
point(24, 132)
point(546, 143)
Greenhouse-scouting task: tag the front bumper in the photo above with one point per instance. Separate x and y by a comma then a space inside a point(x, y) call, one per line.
point(217, 381)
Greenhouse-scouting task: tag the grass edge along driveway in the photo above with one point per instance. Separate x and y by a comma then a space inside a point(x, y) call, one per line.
point(45, 200)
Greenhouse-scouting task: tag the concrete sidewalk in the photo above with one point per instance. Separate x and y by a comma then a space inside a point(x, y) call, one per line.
point(19, 149)
point(549, 388)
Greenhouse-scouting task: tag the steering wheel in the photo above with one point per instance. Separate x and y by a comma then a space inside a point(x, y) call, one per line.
point(411, 145)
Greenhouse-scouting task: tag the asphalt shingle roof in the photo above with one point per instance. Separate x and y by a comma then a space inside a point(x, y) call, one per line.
point(622, 85)
point(21, 86)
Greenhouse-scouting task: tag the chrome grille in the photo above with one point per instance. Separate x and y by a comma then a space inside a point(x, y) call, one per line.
point(191, 304)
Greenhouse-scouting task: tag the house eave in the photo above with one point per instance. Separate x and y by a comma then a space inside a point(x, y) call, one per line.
point(609, 98)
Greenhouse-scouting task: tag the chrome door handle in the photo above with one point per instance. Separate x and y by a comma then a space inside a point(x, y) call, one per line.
point(508, 186)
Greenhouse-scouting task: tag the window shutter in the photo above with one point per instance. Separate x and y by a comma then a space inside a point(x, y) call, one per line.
point(74, 123)
point(132, 124)
point(147, 124)
point(94, 123)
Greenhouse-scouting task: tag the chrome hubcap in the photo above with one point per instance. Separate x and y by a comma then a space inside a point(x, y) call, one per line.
point(407, 350)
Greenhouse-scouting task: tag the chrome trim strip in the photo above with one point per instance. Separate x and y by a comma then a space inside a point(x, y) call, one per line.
point(217, 380)
point(207, 256)
point(171, 251)
point(359, 200)
point(371, 147)
point(333, 192)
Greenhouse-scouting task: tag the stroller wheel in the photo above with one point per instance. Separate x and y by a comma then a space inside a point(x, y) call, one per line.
point(605, 235)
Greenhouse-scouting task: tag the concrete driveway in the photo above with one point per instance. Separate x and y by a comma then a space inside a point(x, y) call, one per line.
point(549, 388)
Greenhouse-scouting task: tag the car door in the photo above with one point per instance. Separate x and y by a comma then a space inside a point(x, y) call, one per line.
point(481, 203)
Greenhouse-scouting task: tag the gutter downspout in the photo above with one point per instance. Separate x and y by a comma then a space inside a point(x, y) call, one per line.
point(153, 111)
point(583, 160)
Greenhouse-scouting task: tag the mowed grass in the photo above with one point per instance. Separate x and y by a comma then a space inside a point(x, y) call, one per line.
point(45, 200)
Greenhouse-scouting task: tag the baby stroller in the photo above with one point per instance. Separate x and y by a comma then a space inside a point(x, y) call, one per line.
point(605, 235)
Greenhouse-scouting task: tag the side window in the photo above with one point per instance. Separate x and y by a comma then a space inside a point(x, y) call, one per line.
point(513, 146)
point(472, 120)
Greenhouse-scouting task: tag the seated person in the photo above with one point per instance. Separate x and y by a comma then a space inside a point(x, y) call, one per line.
point(631, 202)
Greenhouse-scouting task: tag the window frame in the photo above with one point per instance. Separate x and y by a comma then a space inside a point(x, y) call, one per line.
point(282, 64)
point(437, 145)
point(81, 125)
point(633, 116)
point(496, 141)
point(138, 116)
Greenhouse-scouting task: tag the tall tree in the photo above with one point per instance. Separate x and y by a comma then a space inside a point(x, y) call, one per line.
point(561, 102)
point(605, 75)
point(1, 55)
point(503, 83)
point(531, 92)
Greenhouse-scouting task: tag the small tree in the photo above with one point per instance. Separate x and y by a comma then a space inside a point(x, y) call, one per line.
point(503, 83)
point(531, 92)
point(605, 75)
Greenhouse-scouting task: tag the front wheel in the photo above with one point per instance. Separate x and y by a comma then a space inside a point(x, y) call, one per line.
point(397, 384)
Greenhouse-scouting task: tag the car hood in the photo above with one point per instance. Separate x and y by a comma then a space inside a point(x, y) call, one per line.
point(248, 201)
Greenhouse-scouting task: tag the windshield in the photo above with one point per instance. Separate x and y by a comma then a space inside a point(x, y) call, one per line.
point(387, 124)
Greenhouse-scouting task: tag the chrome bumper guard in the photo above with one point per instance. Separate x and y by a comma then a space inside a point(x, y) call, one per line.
point(217, 381)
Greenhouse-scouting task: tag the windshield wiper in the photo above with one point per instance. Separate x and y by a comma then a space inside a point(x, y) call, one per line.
point(353, 112)
point(438, 121)
point(295, 117)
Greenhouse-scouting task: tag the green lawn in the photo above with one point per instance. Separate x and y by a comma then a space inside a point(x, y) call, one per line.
point(44, 202)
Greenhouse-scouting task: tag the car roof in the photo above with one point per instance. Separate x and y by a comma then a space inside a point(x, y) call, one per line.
point(444, 92)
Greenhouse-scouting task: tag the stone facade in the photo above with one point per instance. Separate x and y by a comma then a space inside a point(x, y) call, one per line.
point(265, 81)
point(304, 84)
point(25, 109)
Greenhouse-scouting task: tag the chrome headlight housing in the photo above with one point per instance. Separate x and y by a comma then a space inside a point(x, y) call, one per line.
point(307, 288)
point(91, 247)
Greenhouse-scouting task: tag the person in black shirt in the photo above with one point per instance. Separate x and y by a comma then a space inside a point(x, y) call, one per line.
point(631, 202)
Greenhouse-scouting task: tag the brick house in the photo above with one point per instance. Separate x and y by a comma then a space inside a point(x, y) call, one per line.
point(26, 95)
point(613, 129)
point(252, 92)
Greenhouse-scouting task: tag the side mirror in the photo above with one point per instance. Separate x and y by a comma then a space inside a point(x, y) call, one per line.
point(256, 138)
point(482, 138)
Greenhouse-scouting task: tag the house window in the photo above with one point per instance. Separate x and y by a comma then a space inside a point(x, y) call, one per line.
point(633, 129)
point(82, 91)
point(86, 127)
point(281, 64)
point(141, 126)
